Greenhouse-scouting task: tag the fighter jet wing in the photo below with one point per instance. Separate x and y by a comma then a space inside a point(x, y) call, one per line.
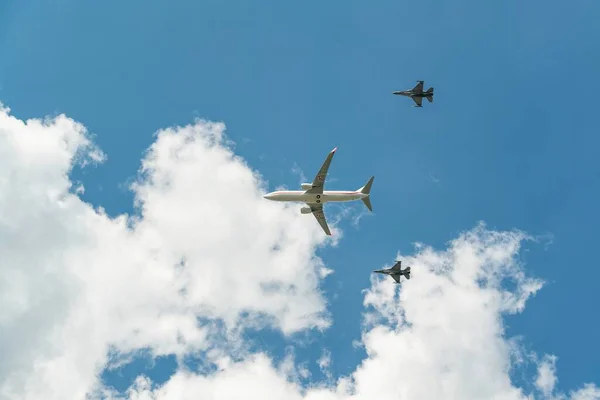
point(319, 181)
point(419, 88)
point(397, 266)
point(396, 278)
point(317, 210)
point(418, 100)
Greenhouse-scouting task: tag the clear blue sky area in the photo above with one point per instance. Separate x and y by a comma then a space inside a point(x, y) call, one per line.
point(511, 138)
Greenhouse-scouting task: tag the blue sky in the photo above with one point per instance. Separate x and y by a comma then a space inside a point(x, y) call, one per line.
point(511, 138)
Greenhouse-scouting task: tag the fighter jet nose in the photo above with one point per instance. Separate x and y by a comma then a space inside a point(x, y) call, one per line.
point(268, 196)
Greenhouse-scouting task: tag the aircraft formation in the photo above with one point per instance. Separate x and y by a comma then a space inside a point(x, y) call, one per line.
point(315, 197)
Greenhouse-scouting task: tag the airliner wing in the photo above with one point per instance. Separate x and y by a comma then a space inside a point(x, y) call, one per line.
point(319, 181)
point(419, 88)
point(418, 100)
point(317, 210)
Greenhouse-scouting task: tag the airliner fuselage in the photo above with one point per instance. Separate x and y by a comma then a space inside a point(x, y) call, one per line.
point(327, 196)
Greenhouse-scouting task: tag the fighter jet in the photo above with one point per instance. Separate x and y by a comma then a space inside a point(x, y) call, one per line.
point(417, 94)
point(396, 271)
point(315, 197)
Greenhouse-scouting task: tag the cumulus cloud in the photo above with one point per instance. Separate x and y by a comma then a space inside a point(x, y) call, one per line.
point(76, 283)
point(442, 336)
point(547, 379)
point(205, 258)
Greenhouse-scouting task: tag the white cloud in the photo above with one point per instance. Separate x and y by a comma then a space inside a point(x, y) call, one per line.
point(324, 363)
point(442, 337)
point(546, 380)
point(588, 392)
point(325, 360)
point(546, 383)
point(298, 171)
point(237, 382)
point(76, 284)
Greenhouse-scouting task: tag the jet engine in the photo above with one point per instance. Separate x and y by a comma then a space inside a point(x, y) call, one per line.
point(305, 210)
point(306, 186)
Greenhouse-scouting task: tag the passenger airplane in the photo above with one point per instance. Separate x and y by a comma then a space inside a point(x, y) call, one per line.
point(313, 195)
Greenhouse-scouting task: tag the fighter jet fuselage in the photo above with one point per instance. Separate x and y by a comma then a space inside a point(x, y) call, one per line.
point(411, 94)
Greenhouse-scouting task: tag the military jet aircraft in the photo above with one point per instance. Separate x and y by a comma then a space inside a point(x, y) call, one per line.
point(396, 271)
point(417, 94)
point(314, 196)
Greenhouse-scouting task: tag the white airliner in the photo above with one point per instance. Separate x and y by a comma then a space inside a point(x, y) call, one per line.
point(313, 195)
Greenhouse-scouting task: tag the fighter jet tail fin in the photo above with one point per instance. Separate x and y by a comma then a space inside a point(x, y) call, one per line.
point(407, 275)
point(429, 94)
point(367, 190)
